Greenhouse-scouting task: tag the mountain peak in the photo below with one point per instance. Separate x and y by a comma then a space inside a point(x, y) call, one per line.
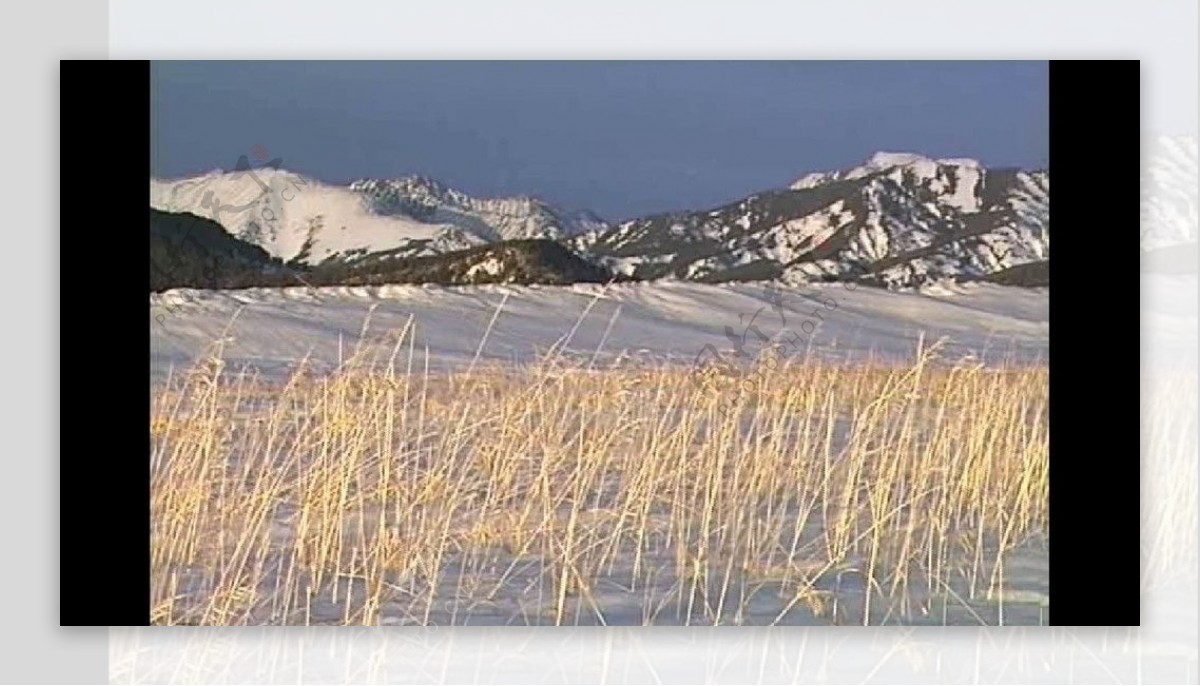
point(883, 160)
point(886, 160)
point(899, 219)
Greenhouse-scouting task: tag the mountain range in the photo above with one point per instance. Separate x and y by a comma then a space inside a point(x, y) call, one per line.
point(897, 221)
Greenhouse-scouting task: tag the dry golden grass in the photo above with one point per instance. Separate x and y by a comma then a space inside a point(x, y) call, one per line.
point(558, 494)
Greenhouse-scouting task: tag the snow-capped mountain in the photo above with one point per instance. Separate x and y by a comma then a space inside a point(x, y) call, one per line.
point(299, 219)
point(491, 219)
point(897, 220)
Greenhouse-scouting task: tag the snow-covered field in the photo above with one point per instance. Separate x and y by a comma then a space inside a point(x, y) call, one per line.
point(660, 324)
point(665, 321)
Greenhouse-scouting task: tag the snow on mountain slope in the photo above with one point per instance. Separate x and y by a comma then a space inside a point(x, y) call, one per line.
point(899, 220)
point(658, 322)
point(956, 180)
point(491, 219)
point(293, 217)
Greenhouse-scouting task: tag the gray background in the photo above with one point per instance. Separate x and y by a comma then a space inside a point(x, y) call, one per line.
point(33, 648)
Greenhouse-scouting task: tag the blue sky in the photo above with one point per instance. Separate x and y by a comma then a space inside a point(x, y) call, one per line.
point(621, 138)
